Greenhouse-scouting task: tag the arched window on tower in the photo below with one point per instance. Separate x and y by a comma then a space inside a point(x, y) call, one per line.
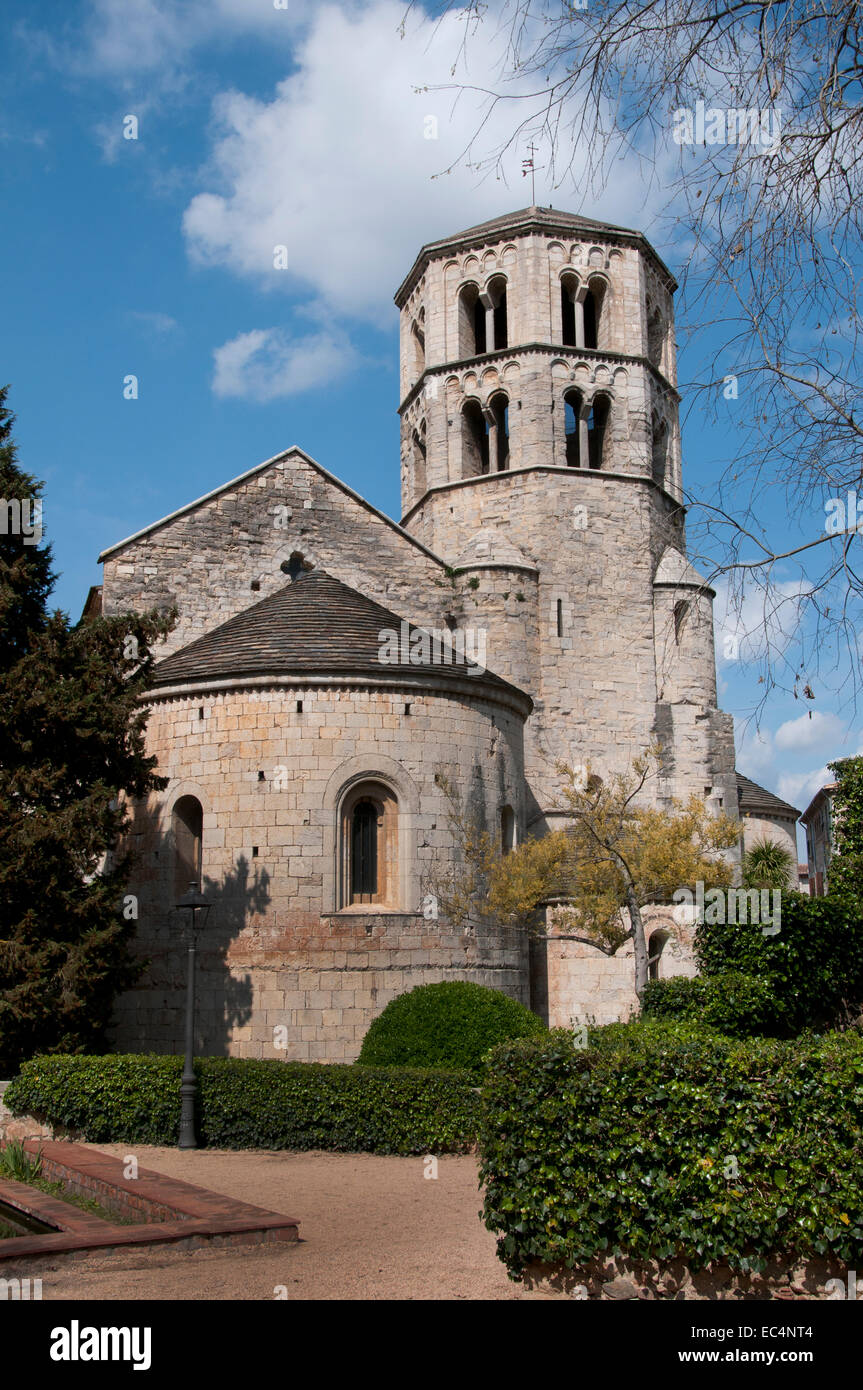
point(474, 440)
point(597, 431)
point(594, 301)
point(572, 406)
point(496, 292)
point(655, 337)
point(471, 322)
point(369, 845)
point(187, 827)
point(659, 450)
point(418, 343)
point(568, 292)
point(419, 456)
point(498, 432)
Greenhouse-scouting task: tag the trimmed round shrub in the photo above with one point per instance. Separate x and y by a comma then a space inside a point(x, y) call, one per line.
point(453, 1024)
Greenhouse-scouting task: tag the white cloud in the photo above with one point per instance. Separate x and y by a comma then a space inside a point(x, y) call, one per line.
point(799, 787)
point(266, 365)
point(127, 39)
point(812, 730)
point(337, 165)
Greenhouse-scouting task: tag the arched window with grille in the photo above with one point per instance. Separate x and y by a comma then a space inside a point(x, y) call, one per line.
point(187, 827)
point(369, 847)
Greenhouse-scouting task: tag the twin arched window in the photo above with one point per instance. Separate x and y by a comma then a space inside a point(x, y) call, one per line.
point(581, 311)
point(482, 318)
point(485, 436)
point(586, 436)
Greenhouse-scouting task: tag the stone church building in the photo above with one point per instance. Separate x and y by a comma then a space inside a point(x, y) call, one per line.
point(333, 672)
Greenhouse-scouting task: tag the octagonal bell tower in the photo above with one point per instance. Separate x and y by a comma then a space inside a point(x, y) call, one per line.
point(541, 457)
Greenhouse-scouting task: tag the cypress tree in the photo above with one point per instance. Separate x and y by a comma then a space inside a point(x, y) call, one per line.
point(71, 755)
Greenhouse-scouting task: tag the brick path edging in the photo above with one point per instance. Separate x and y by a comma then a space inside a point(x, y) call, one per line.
point(172, 1212)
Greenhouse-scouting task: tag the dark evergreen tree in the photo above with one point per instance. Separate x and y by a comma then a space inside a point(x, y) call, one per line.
point(71, 754)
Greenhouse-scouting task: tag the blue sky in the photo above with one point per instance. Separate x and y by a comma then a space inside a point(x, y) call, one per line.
point(259, 126)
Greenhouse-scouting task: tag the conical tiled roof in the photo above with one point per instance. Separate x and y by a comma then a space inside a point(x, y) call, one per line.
point(314, 626)
point(675, 570)
point(758, 800)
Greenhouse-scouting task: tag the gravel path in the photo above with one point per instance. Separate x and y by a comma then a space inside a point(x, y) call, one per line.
point(371, 1227)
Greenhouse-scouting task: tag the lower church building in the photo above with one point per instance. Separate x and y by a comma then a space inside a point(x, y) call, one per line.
point(334, 676)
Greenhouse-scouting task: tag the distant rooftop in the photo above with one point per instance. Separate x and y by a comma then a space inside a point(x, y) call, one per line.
point(822, 794)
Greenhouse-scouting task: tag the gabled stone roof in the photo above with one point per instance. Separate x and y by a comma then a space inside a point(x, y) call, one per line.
point(757, 800)
point(315, 626)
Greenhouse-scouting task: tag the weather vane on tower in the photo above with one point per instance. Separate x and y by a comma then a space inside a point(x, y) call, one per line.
point(528, 166)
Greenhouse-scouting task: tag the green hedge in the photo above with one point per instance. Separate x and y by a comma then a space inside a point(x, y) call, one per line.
point(248, 1104)
point(453, 1024)
point(741, 1006)
point(812, 968)
point(631, 1145)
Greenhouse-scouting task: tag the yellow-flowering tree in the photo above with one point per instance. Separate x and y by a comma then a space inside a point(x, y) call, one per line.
point(612, 859)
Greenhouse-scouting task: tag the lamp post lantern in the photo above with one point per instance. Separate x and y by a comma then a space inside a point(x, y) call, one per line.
point(192, 902)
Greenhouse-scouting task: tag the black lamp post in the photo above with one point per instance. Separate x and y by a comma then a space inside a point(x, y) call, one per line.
point(192, 902)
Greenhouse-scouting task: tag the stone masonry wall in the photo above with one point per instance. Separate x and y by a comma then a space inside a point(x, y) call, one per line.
point(206, 559)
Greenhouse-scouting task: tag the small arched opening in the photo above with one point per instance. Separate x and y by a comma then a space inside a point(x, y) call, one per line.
point(655, 946)
point(187, 826)
point(597, 431)
point(418, 442)
point(655, 337)
point(594, 304)
point(496, 292)
point(568, 310)
point(474, 440)
point(498, 431)
point(471, 322)
point(573, 404)
point(659, 450)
